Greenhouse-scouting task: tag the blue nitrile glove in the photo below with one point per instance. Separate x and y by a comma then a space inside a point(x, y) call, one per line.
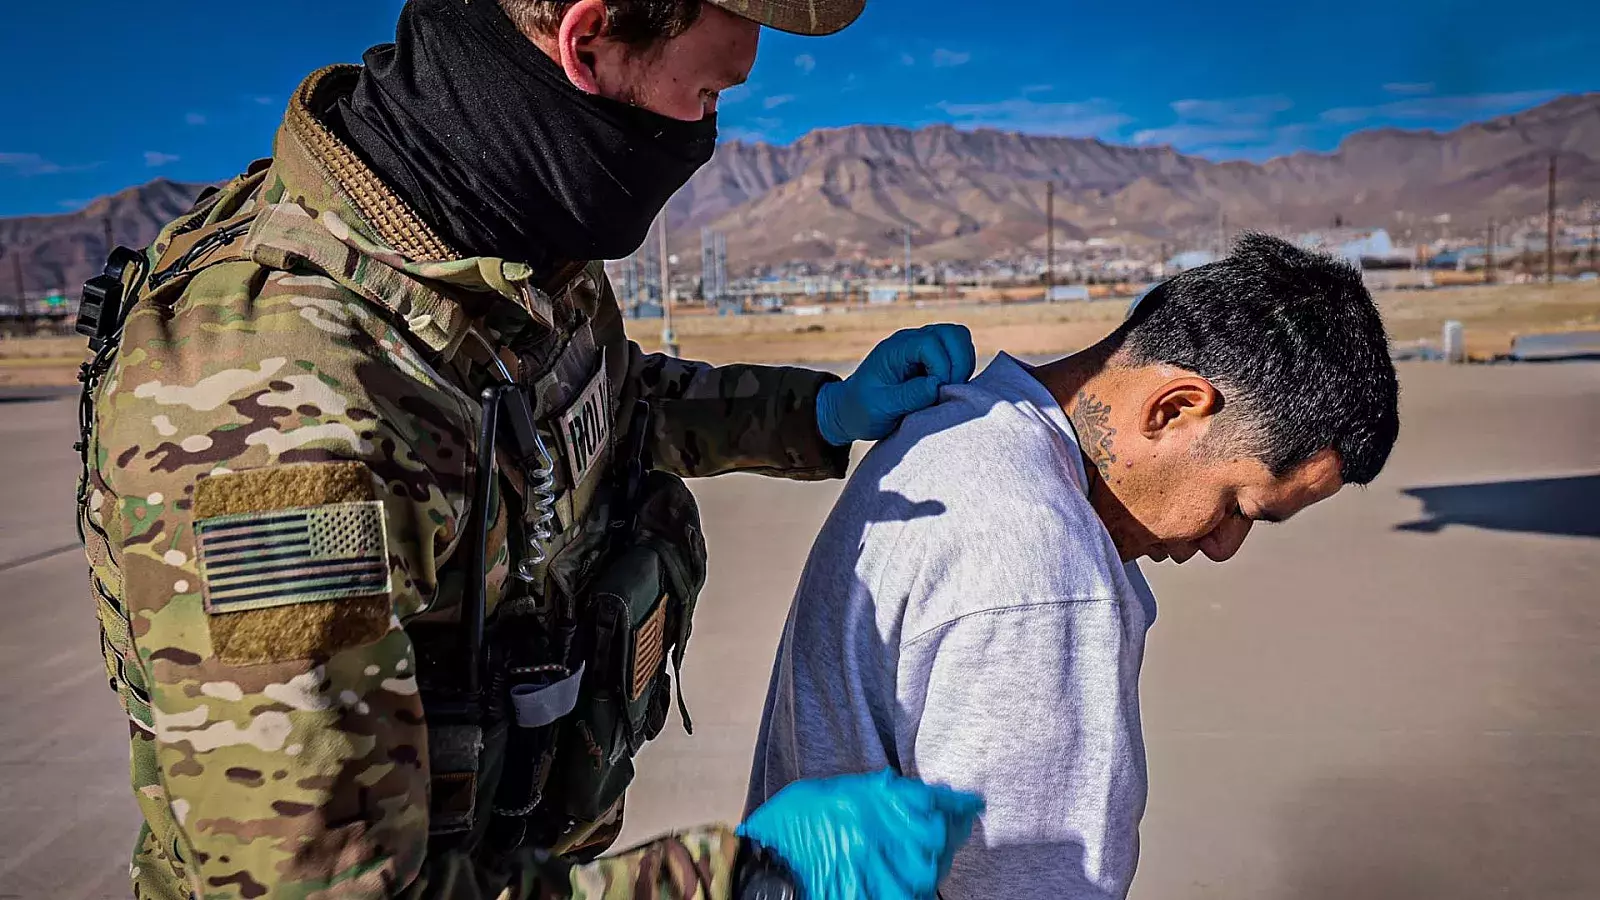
point(865, 837)
point(900, 376)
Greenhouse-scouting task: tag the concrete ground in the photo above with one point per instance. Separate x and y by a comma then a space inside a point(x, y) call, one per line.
point(1395, 696)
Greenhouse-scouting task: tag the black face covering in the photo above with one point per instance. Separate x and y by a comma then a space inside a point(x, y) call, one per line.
point(485, 137)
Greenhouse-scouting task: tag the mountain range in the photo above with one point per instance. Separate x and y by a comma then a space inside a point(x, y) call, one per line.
point(853, 192)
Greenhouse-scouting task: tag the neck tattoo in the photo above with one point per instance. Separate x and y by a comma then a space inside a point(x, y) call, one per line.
point(1092, 419)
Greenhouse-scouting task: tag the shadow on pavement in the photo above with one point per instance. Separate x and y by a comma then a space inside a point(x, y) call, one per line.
point(1461, 829)
point(1563, 506)
point(34, 395)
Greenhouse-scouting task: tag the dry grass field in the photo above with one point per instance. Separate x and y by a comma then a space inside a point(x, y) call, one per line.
point(1493, 315)
point(40, 361)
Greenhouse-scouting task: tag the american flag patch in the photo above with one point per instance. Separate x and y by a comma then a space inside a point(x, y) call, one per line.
point(264, 559)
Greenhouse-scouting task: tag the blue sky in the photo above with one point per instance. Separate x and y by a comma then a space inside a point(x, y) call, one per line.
point(196, 88)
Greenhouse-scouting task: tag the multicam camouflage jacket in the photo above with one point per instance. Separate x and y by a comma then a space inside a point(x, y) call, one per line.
point(277, 498)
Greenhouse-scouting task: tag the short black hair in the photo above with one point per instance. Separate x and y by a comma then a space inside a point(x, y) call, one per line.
point(1295, 343)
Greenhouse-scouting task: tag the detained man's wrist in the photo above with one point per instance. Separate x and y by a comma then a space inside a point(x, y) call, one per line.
point(761, 874)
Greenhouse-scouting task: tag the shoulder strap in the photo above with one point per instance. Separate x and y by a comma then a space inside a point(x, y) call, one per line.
point(189, 253)
point(208, 234)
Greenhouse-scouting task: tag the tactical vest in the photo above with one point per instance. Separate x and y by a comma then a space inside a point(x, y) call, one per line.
point(579, 576)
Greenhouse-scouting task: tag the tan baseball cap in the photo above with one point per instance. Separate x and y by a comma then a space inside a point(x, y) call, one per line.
point(808, 17)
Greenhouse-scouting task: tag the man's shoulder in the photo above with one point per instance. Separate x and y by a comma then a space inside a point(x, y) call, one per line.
point(1000, 518)
point(986, 453)
point(248, 368)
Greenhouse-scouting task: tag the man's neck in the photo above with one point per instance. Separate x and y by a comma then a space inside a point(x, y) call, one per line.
point(1088, 387)
point(1083, 384)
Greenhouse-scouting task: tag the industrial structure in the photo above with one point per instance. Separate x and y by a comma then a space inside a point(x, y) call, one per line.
point(713, 267)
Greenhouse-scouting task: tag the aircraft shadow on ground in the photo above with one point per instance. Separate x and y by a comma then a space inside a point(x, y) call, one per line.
point(1567, 506)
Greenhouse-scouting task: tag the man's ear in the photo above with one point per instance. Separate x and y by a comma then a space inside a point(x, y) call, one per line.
point(583, 28)
point(1179, 403)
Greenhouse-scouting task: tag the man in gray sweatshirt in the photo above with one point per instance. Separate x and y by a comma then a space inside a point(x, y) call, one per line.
point(973, 613)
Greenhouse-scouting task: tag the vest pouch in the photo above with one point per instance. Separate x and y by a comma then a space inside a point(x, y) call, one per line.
point(599, 740)
point(531, 678)
point(465, 761)
point(669, 522)
point(637, 609)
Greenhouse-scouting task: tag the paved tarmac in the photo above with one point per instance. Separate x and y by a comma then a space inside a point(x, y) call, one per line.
point(1395, 696)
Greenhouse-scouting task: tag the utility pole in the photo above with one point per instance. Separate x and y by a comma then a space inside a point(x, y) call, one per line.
point(16, 269)
point(1488, 256)
point(110, 241)
point(1550, 228)
point(1594, 239)
point(1049, 238)
point(669, 340)
point(908, 261)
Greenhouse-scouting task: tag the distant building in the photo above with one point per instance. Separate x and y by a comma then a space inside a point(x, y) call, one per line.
point(1374, 245)
point(1190, 259)
point(1468, 258)
point(1068, 293)
point(1365, 248)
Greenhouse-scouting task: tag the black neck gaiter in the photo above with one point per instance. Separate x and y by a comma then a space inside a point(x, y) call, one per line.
point(485, 137)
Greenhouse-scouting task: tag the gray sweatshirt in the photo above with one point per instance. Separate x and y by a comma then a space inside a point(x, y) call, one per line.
point(964, 618)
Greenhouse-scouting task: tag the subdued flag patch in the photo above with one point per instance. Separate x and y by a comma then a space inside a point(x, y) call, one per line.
point(261, 560)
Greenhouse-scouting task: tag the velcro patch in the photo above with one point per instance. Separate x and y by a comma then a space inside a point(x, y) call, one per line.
point(585, 427)
point(319, 592)
point(261, 560)
point(650, 650)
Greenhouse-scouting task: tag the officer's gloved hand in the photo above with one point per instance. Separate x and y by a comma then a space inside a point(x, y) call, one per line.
point(865, 837)
point(900, 376)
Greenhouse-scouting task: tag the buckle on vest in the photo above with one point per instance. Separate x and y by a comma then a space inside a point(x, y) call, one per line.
point(104, 302)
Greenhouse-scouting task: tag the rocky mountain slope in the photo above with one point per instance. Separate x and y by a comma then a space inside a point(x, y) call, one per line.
point(853, 191)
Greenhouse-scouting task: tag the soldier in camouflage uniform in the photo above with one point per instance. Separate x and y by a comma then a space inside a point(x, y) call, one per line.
point(291, 525)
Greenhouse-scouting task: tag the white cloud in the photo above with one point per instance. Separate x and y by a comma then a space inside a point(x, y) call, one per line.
point(1089, 118)
point(1037, 89)
point(262, 100)
point(948, 59)
point(155, 159)
point(1434, 108)
point(747, 135)
point(1181, 134)
point(907, 59)
point(1409, 87)
point(195, 118)
point(760, 129)
point(28, 165)
point(806, 63)
point(777, 101)
point(1221, 142)
point(736, 94)
point(1233, 111)
point(1228, 128)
